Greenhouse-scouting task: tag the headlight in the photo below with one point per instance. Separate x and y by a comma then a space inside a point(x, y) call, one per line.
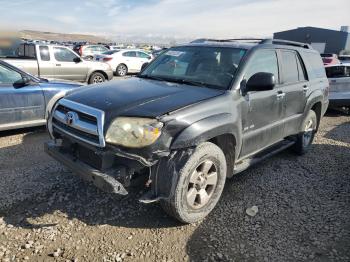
point(133, 132)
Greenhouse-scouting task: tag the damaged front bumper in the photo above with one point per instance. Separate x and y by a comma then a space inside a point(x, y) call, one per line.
point(104, 181)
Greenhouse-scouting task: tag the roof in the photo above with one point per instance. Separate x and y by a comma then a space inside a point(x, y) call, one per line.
point(246, 43)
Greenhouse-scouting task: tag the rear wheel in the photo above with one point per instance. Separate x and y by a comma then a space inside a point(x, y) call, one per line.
point(199, 186)
point(122, 70)
point(96, 78)
point(306, 137)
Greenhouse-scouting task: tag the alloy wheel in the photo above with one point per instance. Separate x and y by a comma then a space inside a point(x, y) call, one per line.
point(202, 183)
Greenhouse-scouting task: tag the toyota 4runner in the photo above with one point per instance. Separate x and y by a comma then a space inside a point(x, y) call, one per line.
point(198, 114)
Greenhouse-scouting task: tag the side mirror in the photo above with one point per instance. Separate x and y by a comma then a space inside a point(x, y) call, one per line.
point(260, 82)
point(77, 59)
point(144, 66)
point(22, 82)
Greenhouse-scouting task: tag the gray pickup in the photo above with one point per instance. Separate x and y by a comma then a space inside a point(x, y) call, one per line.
point(58, 62)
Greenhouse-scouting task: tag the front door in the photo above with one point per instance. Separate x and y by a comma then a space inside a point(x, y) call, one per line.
point(261, 110)
point(19, 106)
point(68, 65)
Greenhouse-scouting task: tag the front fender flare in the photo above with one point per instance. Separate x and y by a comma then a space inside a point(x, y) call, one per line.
point(206, 129)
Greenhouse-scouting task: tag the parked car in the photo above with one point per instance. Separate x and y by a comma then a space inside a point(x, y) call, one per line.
point(25, 98)
point(124, 61)
point(88, 51)
point(159, 52)
point(196, 115)
point(58, 62)
point(330, 59)
point(339, 81)
point(344, 58)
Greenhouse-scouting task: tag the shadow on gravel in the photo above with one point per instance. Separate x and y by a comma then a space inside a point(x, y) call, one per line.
point(303, 211)
point(340, 133)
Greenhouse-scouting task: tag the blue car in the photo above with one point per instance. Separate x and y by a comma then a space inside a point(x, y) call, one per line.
point(24, 98)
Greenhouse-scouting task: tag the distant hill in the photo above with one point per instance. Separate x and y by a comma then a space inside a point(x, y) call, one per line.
point(38, 35)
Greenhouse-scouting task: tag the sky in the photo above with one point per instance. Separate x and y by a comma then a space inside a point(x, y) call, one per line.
point(173, 18)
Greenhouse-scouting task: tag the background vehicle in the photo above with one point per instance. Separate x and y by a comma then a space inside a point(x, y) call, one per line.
point(159, 52)
point(330, 59)
point(196, 115)
point(88, 51)
point(339, 81)
point(24, 98)
point(125, 61)
point(58, 62)
point(344, 58)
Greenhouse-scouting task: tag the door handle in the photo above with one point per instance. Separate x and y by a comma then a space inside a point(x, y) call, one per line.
point(280, 95)
point(58, 64)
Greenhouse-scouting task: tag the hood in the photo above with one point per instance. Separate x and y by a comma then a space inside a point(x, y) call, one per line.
point(140, 97)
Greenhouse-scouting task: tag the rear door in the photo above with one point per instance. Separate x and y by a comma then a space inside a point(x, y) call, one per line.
point(261, 110)
point(19, 106)
point(131, 60)
point(295, 87)
point(68, 65)
point(46, 63)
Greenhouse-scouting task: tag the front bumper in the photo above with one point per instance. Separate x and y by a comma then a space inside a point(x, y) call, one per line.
point(100, 179)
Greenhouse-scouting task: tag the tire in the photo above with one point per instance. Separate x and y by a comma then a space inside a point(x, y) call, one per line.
point(188, 203)
point(306, 137)
point(122, 70)
point(96, 78)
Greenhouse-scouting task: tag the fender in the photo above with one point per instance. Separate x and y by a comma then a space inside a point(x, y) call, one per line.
point(206, 129)
point(315, 97)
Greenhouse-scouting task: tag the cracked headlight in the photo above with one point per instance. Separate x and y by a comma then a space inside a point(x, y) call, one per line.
point(133, 131)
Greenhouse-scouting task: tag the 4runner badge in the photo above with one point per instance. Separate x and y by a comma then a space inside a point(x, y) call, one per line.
point(71, 117)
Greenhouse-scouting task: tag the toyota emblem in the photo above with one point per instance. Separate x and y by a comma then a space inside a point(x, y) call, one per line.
point(71, 117)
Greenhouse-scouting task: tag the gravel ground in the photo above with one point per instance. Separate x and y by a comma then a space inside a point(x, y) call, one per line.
point(47, 214)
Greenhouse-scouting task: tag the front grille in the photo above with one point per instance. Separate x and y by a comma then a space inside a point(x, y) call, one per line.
point(79, 121)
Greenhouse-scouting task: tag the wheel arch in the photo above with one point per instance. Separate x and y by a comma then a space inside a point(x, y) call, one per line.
point(97, 71)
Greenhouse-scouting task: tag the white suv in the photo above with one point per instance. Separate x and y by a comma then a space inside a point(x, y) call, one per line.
point(125, 61)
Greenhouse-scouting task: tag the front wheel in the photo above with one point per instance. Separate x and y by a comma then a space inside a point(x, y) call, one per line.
point(199, 186)
point(96, 78)
point(306, 137)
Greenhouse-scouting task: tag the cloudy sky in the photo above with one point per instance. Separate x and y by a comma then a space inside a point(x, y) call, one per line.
point(173, 18)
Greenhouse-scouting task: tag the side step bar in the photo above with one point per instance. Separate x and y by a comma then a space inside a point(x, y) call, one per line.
point(268, 152)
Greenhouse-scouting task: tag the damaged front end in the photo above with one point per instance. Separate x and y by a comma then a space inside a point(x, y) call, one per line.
point(79, 143)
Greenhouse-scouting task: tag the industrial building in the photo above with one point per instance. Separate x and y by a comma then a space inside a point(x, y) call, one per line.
point(323, 40)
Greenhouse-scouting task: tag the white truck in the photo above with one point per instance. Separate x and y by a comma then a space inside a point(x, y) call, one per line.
point(58, 62)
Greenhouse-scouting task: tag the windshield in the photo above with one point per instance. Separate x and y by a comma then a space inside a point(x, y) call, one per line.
point(213, 67)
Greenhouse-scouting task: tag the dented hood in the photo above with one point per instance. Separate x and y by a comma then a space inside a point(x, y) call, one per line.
point(140, 97)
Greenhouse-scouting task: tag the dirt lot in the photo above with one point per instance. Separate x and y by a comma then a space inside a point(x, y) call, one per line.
point(48, 214)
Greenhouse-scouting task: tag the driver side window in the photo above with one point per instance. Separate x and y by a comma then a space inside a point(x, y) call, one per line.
point(8, 76)
point(64, 55)
point(263, 61)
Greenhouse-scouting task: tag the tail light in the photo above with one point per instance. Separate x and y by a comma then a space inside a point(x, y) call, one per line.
point(106, 59)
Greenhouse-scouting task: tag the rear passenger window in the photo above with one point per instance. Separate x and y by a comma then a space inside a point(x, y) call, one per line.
point(315, 66)
point(130, 54)
point(289, 67)
point(337, 71)
point(263, 61)
point(301, 70)
point(44, 53)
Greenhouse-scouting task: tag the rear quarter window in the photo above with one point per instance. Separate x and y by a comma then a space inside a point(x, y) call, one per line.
point(314, 64)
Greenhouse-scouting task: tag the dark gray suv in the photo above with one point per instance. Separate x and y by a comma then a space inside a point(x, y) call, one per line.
point(198, 114)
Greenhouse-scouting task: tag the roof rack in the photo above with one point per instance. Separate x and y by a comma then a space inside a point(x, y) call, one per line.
point(256, 40)
point(286, 42)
